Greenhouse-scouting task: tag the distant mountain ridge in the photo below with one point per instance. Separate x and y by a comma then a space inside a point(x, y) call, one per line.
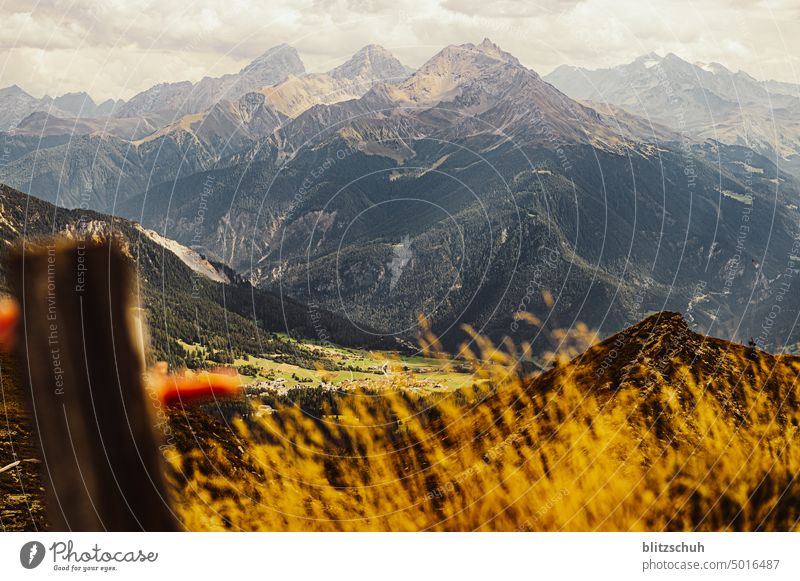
point(703, 101)
point(16, 104)
point(350, 80)
point(174, 129)
point(186, 297)
point(164, 103)
point(493, 185)
point(168, 101)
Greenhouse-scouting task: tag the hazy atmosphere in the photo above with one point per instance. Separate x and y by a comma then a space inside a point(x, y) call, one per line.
point(114, 49)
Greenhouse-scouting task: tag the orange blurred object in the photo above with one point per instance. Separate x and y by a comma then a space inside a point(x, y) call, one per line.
point(189, 387)
point(9, 317)
point(185, 387)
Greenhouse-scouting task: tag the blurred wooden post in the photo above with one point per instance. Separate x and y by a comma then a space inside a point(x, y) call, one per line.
point(82, 374)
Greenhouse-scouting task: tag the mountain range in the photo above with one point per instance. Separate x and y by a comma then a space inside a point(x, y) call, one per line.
point(467, 189)
point(461, 191)
point(17, 105)
point(186, 298)
point(703, 101)
point(170, 130)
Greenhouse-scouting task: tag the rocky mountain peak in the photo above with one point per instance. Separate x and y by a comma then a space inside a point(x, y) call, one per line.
point(13, 91)
point(477, 54)
point(458, 66)
point(491, 49)
point(172, 100)
point(76, 103)
point(371, 62)
point(676, 63)
point(661, 346)
point(650, 56)
point(713, 67)
point(275, 64)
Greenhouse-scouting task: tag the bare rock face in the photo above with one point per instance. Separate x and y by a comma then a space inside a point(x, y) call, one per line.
point(169, 101)
point(464, 91)
point(371, 65)
point(372, 61)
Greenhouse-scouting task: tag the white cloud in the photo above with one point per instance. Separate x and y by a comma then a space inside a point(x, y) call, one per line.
point(114, 48)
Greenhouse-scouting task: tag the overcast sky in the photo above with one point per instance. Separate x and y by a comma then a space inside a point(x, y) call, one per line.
point(115, 48)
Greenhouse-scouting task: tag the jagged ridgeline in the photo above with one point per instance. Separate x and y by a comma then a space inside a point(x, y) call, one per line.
point(460, 190)
point(186, 298)
point(466, 189)
point(656, 428)
point(705, 100)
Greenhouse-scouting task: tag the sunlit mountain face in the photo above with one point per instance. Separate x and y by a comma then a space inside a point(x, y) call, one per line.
point(460, 191)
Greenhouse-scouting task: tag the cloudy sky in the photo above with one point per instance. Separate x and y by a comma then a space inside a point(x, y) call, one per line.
point(115, 48)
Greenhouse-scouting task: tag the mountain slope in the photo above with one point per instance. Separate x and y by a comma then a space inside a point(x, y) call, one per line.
point(186, 297)
point(465, 191)
point(350, 80)
point(99, 170)
point(703, 101)
point(624, 437)
point(655, 429)
point(653, 353)
point(169, 101)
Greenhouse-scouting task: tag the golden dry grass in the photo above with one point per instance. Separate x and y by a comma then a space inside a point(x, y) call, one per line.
point(654, 442)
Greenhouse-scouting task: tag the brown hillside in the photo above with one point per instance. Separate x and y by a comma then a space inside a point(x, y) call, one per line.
point(662, 352)
point(655, 428)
